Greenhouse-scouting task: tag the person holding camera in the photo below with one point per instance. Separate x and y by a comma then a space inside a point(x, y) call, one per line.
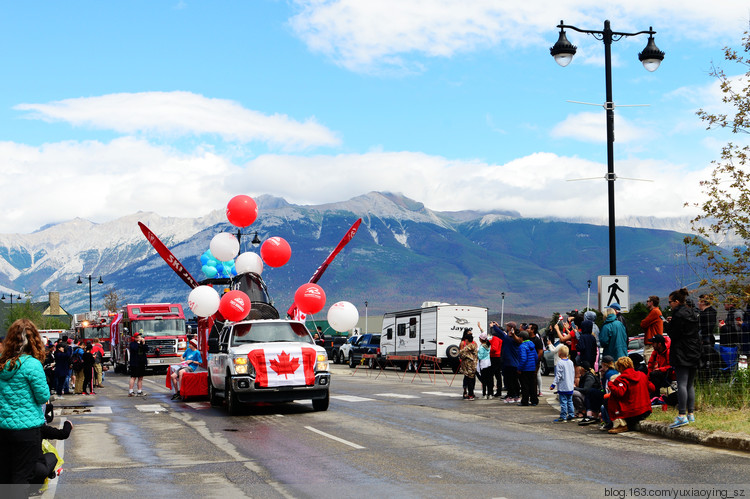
point(138, 359)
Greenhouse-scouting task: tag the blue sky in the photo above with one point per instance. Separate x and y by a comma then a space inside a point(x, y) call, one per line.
point(107, 108)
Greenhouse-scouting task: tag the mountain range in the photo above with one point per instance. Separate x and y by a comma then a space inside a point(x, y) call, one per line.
point(402, 255)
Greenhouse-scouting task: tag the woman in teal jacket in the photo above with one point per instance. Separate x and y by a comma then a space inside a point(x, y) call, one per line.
point(23, 392)
point(613, 336)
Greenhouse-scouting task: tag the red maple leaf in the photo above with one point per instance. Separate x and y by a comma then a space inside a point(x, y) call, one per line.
point(284, 365)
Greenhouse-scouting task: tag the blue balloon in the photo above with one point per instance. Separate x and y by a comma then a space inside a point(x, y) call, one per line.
point(212, 262)
point(233, 272)
point(204, 259)
point(209, 271)
point(220, 268)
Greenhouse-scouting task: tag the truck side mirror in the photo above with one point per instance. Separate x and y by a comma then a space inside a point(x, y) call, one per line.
point(213, 345)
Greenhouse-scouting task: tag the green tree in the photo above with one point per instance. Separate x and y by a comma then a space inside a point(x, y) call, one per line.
point(633, 318)
point(726, 209)
point(27, 311)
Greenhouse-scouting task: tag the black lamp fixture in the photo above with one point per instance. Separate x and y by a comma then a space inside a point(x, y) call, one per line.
point(651, 57)
point(18, 299)
point(91, 308)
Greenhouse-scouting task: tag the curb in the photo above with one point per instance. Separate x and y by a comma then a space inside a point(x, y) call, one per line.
point(718, 438)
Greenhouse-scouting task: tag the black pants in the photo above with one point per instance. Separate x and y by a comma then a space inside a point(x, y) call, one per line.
point(88, 376)
point(487, 380)
point(469, 383)
point(511, 381)
point(20, 450)
point(632, 422)
point(528, 387)
point(497, 372)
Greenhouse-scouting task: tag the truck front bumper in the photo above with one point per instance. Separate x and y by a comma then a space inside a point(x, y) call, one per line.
point(247, 392)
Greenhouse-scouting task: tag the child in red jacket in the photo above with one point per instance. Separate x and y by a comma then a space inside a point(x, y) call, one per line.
point(629, 396)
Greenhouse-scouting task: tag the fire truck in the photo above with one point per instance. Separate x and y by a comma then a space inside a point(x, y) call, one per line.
point(162, 326)
point(98, 324)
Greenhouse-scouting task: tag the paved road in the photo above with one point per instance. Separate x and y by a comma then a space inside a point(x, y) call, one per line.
point(380, 436)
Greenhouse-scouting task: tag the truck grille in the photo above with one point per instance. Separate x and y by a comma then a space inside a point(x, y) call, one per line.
point(164, 346)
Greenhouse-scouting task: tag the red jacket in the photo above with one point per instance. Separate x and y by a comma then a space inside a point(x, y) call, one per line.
point(496, 345)
point(652, 325)
point(629, 395)
point(658, 361)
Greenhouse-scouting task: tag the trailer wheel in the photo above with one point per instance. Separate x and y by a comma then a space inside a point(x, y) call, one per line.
point(233, 405)
point(322, 404)
point(452, 352)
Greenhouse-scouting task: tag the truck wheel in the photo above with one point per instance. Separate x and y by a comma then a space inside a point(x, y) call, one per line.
point(233, 405)
point(213, 395)
point(322, 404)
point(352, 365)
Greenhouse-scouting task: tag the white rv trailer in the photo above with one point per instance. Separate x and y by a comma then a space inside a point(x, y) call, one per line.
point(435, 329)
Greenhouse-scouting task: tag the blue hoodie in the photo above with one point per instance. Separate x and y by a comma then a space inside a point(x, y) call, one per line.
point(614, 338)
point(527, 356)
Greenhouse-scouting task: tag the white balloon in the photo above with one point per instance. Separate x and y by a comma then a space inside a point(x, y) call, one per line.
point(204, 301)
point(343, 316)
point(224, 246)
point(249, 262)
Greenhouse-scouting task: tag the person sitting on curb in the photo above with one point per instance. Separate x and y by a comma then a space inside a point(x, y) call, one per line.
point(660, 372)
point(629, 396)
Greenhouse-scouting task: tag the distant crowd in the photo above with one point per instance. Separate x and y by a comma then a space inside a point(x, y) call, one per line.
point(597, 379)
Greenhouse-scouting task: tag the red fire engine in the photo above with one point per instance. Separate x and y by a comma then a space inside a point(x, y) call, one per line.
point(162, 326)
point(98, 324)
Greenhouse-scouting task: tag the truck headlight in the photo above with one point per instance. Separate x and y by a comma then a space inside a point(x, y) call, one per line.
point(322, 363)
point(181, 345)
point(240, 361)
point(240, 369)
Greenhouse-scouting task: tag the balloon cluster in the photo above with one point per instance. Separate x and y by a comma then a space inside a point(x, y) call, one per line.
point(222, 260)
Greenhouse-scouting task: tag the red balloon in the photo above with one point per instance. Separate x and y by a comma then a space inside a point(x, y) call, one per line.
point(310, 298)
point(234, 305)
point(275, 251)
point(242, 211)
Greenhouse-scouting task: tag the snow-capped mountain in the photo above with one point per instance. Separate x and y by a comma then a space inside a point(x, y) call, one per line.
point(403, 254)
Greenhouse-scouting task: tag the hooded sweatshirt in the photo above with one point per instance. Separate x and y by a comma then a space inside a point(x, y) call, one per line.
point(685, 350)
point(23, 390)
point(614, 338)
point(630, 394)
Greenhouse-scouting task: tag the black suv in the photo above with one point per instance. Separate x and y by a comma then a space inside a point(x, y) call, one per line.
point(367, 343)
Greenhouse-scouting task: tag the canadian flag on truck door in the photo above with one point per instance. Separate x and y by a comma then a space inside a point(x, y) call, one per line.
point(287, 365)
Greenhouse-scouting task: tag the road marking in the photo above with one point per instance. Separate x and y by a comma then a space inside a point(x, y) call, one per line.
point(351, 398)
point(199, 405)
point(396, 395)
point(151, 408)
point(444, 394)
point(332, 437)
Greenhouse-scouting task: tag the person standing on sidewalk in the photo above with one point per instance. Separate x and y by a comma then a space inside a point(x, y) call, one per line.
point(468, 356)
point(652, 324)
point(138, 359)
point(496, 360)
point(565, 383)
point(527, 359)
point(98, 352)
point(684, 354)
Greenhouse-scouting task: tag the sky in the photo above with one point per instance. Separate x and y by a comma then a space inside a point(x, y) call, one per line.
point(109, 108)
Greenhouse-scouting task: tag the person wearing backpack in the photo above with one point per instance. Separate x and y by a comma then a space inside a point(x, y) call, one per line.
point(76, 364)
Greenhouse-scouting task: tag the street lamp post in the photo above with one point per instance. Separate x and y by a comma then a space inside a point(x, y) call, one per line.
point(18, 298)
point(502, 309)
point(366, 316)
point(563, 52)
point(91, 308)
point(588, 295)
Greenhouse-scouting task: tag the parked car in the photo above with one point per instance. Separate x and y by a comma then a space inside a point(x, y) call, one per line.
point(332, 344)
point(635, 346)
point(367, 344)
point(342, 355)
point(547, 365)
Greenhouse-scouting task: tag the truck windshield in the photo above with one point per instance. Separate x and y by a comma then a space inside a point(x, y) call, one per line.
point(95, 332)
point(163, 327)
point(270, 332)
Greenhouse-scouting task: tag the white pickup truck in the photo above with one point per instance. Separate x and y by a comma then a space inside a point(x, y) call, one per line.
point(266, 361)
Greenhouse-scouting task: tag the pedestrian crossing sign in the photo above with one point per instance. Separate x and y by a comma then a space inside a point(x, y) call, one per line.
point(614, 289)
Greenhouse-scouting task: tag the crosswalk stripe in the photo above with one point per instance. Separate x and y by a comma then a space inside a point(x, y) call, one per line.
point(150, 408)
point(396, 395)
point(444, 394)
point(351, 398)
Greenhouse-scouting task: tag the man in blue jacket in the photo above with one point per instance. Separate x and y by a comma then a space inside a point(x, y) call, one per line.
point(527, 358)
point(613, 336)
point(509, 355)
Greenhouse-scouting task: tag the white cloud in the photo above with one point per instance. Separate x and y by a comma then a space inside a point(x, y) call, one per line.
point(183, 113)
point(102, 181)
point(591, 127)
point(369, 36)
